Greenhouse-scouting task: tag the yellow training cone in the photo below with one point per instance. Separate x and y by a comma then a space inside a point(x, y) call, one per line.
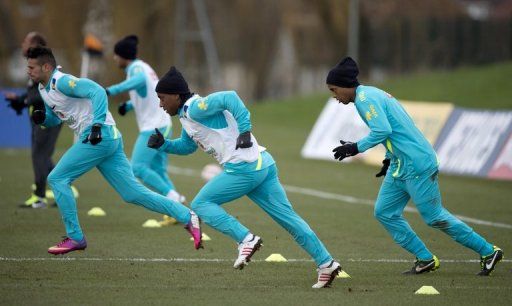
point(204, 237)
point(426, 290)
point(342, 274)
point(276, 258)
point(96, 212)
point(151, 223)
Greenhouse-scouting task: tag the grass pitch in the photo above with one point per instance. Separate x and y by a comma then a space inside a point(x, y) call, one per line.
point(127, 264)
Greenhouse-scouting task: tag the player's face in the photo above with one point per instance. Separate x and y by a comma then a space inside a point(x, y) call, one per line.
point(37, 73)
point(170, 103)
point(343, 95)
point(120, 62)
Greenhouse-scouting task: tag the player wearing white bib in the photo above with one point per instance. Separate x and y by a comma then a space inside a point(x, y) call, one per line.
point(220, 125)
point(148, 165)
point(82, 105)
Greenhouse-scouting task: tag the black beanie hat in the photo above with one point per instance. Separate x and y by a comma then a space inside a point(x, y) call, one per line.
point(344, 74)
point(172, 83)
point(127, 47)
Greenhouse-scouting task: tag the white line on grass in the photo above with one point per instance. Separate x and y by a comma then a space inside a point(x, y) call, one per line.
point(342, 198)
point(218, 260)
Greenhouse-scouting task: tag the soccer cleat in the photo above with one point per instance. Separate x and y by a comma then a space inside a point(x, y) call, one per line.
point(41, 203)
point(326, 275)
point(423, 266)
point(34, 202)
point(68, 245)
point(194, 228)
point(246, 250)
point(166, 221)
point(487, 263)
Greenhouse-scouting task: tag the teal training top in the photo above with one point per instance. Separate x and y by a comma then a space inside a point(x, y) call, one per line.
point(410, 153)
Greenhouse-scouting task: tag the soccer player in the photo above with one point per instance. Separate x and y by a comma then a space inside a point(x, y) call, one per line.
point(82, 104)
point(43, 140)
point(220, 125)
point(410, 168)
point(148, 165)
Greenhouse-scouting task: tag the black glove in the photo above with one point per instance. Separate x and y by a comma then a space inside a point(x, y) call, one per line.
point(95, 135)
point(384, 169)
point(17, 105)
point(38, 116)
point(155, 141)
point(346, 149)
point(122, 109)
point(244, 141)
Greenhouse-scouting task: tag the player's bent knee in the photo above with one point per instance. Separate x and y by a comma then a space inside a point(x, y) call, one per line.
point(55, 181)
point(378, 213)
point(439, 224)
point(131, 197)
point(138, 170)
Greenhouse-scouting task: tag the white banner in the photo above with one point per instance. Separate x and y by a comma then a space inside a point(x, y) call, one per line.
point(337, 121)
point(471, 141)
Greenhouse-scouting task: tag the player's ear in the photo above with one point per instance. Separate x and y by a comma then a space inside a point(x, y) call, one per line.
point(47, 67)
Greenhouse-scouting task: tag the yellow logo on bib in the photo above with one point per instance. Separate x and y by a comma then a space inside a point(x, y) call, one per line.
point(202, 105)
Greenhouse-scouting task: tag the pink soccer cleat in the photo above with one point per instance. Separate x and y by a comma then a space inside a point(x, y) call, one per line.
point(194, 228)
point(68, 245)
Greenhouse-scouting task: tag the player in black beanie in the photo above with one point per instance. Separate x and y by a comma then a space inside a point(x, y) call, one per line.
point(173, 84)
point(220, 125)
point(127, 47)
point(342, 80)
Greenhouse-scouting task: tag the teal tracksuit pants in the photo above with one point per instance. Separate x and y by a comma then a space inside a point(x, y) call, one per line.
point(108, 156)
point(150, 165)
point(424, 191)
point(262, 187)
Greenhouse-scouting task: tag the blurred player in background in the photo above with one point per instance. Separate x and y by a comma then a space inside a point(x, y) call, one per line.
point(149, 165)
point(410, 169)
point(220, 125)
point(82, 104)
point(43, 140)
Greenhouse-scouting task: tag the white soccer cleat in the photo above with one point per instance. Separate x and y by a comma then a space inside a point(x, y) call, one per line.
point(246, 250)
point(326, 275)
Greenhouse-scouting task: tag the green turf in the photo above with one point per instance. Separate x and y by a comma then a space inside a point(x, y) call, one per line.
point(349, 231)
point(486, 87)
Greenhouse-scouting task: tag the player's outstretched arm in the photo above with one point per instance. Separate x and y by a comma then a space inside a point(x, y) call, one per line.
point(180, 146)
point(380, 129)
point(136, 81)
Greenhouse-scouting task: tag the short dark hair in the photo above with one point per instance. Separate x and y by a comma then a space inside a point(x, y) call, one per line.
point(38, 39)
point(43, 55)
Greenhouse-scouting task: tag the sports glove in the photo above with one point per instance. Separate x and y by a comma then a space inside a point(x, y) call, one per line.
point(122, 109)
point(16, 104)
point(384, 169)
point(155, 141)
point(244, 141)
point(95, 136)
point(346, 149)
point(38, 116)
